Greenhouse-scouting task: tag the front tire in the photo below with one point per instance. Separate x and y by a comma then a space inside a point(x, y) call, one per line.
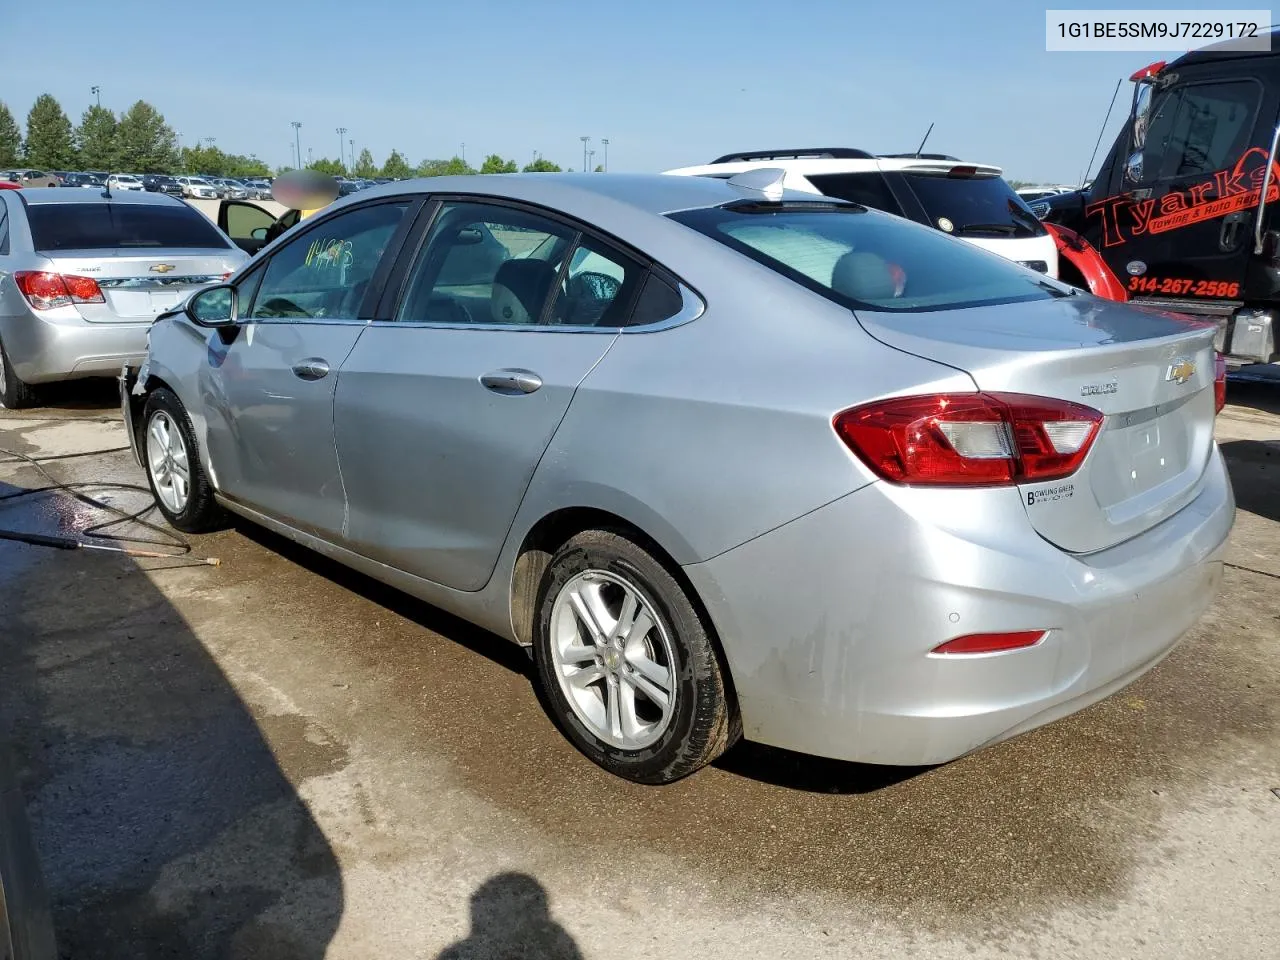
point(172, 461)
point(627, 665)
point(14, 394)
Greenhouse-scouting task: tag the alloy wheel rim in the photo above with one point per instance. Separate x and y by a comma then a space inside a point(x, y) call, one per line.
point(168, 462)
point(614, 659)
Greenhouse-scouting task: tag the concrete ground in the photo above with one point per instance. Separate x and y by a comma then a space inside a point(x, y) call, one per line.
point(277, 758)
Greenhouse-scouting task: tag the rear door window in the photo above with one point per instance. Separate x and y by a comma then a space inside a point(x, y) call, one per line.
point(487, 264)
point(104, 226)
point(974, 206)
point(860, 258)
point(597, 287)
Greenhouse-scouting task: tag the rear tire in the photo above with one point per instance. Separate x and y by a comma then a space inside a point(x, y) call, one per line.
point(175, 474)
point(14, 394)
point(628, 669)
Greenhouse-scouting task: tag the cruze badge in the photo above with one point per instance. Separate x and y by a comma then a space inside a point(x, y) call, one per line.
point(1098, 389)
point(1180, 371)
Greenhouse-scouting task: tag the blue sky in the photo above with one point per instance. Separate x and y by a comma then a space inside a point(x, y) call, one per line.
point(668, 83)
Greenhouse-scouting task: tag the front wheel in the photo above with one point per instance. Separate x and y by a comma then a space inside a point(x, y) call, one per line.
point(177, 479)
point(626, 663)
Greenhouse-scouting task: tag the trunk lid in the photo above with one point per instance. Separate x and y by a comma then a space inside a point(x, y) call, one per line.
point(1149, 372)
point(138, 287)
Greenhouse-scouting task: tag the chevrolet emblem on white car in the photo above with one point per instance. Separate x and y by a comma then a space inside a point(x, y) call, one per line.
point(1181, 370)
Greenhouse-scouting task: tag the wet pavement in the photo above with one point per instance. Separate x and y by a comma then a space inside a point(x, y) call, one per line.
point(279, 758)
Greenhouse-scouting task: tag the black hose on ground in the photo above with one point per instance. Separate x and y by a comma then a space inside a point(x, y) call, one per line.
point(169, 540)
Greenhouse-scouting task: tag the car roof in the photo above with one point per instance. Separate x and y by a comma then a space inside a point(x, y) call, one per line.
point(40, 198)
point(820, 165)
point(651, 192)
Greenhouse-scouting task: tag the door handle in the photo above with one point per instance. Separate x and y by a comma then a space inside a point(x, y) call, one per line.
point(313, 368)
point(1229, 238)
point(511, 382)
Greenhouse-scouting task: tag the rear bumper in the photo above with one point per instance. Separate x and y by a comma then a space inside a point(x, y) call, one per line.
point(43, 350)
point(828, 622)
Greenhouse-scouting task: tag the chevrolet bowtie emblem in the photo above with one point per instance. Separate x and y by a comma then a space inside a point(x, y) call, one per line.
point(1181, 370)
point(162, 268)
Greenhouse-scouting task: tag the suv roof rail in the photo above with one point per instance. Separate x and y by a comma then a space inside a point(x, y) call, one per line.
point(818, 153)
point(920, 156)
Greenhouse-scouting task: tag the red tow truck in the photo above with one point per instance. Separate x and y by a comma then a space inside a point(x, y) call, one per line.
point(1183, 211)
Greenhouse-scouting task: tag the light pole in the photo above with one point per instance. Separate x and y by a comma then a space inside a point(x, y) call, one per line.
point(342, 132)
point(352, 143)
point(606, 154)
point(585, 141)
point(209, 140)
point(464, 155)
point(309, 160)
point(591, 156)
point(97, 92)
point(297, 142)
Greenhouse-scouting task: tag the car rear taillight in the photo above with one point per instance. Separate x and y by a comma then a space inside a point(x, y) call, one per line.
point(970, 439)
point(1219, 382)
point(974, 643)
point(44, 291)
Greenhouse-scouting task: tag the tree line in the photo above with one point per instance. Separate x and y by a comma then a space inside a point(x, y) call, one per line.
point(399, 168)
point(140, 141)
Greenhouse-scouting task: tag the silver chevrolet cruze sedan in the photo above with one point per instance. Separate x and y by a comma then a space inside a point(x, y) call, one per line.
point(731, 461)
point(83, 274)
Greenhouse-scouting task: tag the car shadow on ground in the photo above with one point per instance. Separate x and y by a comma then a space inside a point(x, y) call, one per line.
point(755, 761)
point(1258, 391)
point(164, 822)
point(1254, 467)
point(99, 395)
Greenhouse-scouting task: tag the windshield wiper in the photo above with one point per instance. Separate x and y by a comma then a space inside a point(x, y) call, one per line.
point(1005, 228)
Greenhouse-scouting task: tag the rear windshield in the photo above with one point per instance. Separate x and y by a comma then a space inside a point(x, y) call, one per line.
point(861, 258)
point(974, 206)
point(100, 226)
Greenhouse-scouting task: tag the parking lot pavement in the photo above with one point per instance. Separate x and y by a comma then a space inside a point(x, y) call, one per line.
point(278, 758)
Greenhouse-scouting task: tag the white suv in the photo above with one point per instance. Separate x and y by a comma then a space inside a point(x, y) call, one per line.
point(197, 187)
point(124, 181)
point(967, 200)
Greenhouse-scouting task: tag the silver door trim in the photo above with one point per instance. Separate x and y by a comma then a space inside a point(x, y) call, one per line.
point(692, 307)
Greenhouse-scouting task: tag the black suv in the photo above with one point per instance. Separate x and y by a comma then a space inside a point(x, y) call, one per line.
point(159, 183)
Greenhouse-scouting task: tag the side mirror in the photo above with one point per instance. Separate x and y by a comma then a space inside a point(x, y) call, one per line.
point(1133, 167)
point(214, 306)
point(258, 233)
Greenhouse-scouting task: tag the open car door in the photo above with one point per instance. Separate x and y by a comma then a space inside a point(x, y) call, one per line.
point(250, 226)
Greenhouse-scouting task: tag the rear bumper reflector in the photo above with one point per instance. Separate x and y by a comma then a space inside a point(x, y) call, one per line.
point(975, 643)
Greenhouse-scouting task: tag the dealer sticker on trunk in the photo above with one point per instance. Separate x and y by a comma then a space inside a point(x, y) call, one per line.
point(1063, 491)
